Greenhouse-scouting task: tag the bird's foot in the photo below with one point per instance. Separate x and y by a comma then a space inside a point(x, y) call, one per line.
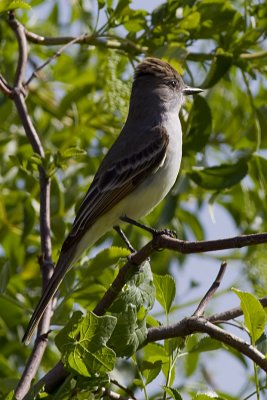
point(154, 232)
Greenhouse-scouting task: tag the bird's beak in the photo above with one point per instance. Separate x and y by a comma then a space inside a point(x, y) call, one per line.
point(187, 90)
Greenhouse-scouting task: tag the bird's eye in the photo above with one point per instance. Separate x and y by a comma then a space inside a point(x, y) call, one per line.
point(173, 83)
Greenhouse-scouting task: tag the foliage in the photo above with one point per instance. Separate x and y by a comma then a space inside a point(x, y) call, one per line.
point(78, 103)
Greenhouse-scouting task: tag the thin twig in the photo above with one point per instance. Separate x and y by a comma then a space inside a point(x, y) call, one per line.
point(107, 41)
point(54, 56)
point(125, 389)
point(210, 293)
point(4, 87)
point(232, 313)
point(113, 395)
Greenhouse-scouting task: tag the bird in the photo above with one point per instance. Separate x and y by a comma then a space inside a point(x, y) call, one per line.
point(135, 175)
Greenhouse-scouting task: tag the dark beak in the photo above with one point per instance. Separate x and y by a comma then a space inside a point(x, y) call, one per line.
point(187, 90)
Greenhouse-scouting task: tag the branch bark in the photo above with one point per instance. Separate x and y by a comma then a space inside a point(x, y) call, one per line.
point(115, 42)
point(190, 325)
point(17, 94)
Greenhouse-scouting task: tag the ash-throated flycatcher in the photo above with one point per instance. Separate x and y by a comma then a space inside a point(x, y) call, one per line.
point(137, 172)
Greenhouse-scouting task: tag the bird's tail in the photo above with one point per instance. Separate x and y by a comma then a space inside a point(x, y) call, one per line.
point(64, 262)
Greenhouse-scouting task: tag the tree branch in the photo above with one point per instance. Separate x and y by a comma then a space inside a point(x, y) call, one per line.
point(115, 42)
point(54, 56)
point(208, 296)
point(233, 313)
point(45, 232)
point(190, 325)
point(107, 41)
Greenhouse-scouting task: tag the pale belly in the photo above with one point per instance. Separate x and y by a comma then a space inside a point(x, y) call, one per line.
point(142, 200)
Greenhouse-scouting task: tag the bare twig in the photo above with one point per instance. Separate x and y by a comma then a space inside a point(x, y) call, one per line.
point(125, 389)
point(208, 296)
point(4, 87)
point(46, 264)
point(54, 56)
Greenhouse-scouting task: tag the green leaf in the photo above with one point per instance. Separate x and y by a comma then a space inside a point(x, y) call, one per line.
point(106, 258)
point(83, 343)
point(207, 396)
point(173, 393)
point(4, 275)
point(9, 396)
point(28, 218)
point(139, 291)
point(151, 370)
point(6, 5)
point(254, 314)
point(221, 176)
point(206, 344)
point(220, 65)
point(165, 290)
point(73, 152)
point(129, 333)
point(200, 125)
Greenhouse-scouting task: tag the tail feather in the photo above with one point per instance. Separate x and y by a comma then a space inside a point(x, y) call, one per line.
point(63, 264)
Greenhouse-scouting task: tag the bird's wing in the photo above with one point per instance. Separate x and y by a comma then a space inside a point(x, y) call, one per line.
point(110, 186)
point(117, 181)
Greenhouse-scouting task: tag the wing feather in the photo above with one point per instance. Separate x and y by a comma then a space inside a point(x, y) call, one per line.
point(117, 181)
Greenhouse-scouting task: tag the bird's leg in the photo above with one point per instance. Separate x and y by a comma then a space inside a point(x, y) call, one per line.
point(153, 231)
point(124, 238)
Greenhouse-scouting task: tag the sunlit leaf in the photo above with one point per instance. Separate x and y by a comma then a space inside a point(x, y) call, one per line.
point(165, 290)
point(254, 314)
point(221, 176)
point(82, 343)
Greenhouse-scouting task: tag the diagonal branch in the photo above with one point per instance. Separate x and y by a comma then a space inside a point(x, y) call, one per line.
point(4, 87)
point(54, 56)
point(208, 296)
